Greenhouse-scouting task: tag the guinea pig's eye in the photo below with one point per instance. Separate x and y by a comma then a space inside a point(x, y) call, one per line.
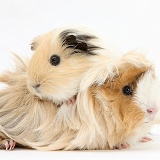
point(127, 90)
point(54, 60)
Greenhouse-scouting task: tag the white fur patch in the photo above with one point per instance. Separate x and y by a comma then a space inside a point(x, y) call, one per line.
point(147, 93)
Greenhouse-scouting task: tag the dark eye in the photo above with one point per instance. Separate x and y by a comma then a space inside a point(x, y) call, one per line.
point(54, 60)
point(127, 90)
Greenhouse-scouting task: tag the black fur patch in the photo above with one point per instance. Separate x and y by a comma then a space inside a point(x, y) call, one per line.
point(78, 42)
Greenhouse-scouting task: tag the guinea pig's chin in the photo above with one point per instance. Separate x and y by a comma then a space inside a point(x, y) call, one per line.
point(58, 97)
point(54, 98)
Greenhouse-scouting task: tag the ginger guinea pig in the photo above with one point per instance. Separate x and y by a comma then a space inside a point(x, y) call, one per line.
point(62, 58)
point(119, 112)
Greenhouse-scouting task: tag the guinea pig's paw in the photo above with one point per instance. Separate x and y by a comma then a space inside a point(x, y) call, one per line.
point(123, 146)
point(145, 139)
point(8, 144)
point(71, 101)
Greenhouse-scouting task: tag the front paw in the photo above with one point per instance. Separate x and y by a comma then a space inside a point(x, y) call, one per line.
point(123, 146)
point(8, 144)
point(71, 101)
point(145, 139)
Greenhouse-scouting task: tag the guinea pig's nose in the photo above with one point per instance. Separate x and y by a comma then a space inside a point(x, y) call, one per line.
point(152, 113)
point(152, 110)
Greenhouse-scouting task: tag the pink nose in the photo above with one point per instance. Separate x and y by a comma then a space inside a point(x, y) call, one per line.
point(152, 113)
point(152, 110)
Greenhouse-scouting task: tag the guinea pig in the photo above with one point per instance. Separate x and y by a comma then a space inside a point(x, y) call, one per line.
point(124, 107)
point(62, 58)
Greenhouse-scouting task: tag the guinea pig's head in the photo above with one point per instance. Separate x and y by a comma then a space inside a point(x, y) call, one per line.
point(59, 61)
point(133, 93)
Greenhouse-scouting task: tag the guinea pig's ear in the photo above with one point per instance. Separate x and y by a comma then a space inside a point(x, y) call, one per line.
point(34, 46)
point(73, 39)
point(35, 42)
point(135, 59)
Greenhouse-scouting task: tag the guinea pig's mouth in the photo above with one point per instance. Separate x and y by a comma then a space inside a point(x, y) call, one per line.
point(35, 89)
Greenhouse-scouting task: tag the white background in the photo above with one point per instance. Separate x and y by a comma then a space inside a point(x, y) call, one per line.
point(130, 24)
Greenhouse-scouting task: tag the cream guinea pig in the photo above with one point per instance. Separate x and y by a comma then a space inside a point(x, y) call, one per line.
point(63, 57)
